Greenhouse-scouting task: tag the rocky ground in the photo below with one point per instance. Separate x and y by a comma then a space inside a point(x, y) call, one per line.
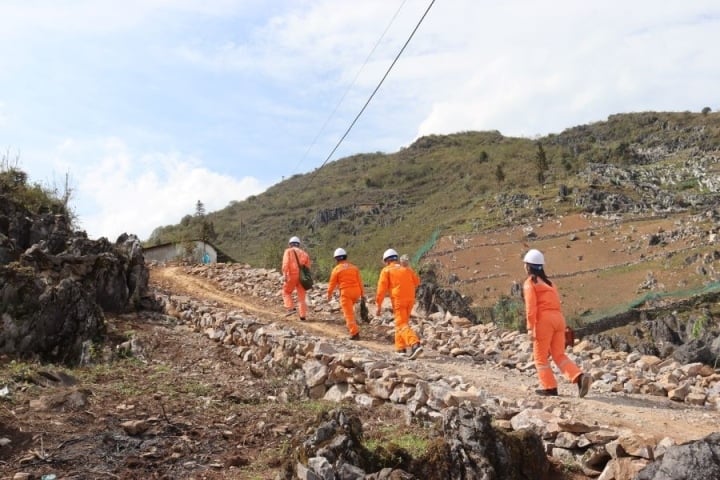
point(183, 405)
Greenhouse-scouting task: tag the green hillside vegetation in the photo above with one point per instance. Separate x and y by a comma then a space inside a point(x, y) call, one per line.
point(35, 197)
point(442, 184)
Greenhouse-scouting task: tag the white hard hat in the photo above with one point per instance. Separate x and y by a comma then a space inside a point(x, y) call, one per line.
point(389, 253)
point(339, 252)
point(535, 257)
point(294, 240)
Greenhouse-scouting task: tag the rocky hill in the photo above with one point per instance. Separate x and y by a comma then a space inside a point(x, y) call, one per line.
point(626, 209)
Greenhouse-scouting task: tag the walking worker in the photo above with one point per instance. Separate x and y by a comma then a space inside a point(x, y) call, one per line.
point(400, 282)
point(293, 257)
point(346, 277)
point(546, 328)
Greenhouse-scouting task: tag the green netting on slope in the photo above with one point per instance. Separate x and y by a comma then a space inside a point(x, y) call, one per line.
point(426, 247)
point(648, 299)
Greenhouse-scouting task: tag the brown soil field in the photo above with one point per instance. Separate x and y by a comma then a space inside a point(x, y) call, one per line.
point(598, 264)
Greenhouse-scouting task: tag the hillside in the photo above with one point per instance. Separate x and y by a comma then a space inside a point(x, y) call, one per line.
point(633, 167)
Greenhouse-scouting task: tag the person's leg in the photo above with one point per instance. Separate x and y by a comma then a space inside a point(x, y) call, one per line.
point(404, 335)
point(347, 302)
point(541, 350)
point(571, 371)
point(563, 362)
point(302, 304)
point(287, 291)
point(400, 325)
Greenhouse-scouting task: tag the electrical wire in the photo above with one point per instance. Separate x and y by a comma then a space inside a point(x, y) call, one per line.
point(312, 176)
point(352, 84)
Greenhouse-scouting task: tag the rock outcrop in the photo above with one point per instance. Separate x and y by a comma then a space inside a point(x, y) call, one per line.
point(470, 447)
point(699, 459)
point(431, 297)
point(56, 283)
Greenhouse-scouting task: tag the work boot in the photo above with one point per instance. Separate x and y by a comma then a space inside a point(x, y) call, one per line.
point(355, 337)
point(583, 384)
point(302, 319)
point(400, 353)
point(415, 351)
point(547, 392)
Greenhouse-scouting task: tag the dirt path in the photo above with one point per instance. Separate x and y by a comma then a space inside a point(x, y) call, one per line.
point(650, 415)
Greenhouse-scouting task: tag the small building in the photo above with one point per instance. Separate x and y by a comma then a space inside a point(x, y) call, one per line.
point(189, 251)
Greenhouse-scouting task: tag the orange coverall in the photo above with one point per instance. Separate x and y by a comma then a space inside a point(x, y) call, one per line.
point(346, 277)
point(400, 282)
point(291, 272)
point(546, 321)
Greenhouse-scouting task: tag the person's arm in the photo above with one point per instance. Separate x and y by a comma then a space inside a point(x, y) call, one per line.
point(382, 288)
point(360, 282)
point(530, 307)
point(332, 283)
point(286, 264)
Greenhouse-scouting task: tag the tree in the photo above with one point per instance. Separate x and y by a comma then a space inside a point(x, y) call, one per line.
point(541, 165)
point(207, 231)
point(199, 209)
point(706, 110)
point(207, 227)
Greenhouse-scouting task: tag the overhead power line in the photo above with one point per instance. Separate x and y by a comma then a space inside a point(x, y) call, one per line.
point(374, 91)
point(347, 90)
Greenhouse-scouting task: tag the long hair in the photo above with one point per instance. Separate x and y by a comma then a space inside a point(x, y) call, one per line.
point(538, 271)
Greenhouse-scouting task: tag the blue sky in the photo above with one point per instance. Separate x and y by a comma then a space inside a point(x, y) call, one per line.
point(152, 105)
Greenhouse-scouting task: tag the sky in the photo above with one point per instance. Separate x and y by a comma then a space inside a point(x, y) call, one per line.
point(147, 106)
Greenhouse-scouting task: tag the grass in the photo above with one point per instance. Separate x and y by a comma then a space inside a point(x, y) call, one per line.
point(414, 444)
point(17, 371)
point(381, 434)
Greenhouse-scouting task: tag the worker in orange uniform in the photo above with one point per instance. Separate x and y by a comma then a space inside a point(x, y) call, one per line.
point(546, 328)
point(400, 282)
point(293, 257)
point(346, 277)
point(405, 262)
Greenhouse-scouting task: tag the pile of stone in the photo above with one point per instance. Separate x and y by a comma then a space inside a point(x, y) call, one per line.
point(342, 373)
point(612, 371)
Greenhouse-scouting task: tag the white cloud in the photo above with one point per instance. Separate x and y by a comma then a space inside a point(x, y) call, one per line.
point(126, 192)
point(530, 70)
point(91, 16)
point(201, 84)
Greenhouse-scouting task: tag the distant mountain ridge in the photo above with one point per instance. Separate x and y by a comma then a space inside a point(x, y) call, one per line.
point(470, 182)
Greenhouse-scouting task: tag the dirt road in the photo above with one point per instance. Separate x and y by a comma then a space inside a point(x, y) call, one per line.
point(650, 415)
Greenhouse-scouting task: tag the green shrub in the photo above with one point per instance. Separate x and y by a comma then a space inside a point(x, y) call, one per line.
point(509, 313)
